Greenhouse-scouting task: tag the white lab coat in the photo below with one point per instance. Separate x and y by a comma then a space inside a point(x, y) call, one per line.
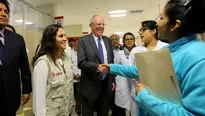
point(122, 92)
point(139, 48)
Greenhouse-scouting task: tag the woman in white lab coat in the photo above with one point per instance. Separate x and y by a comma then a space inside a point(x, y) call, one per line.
point(122, 93)
point(149, 36)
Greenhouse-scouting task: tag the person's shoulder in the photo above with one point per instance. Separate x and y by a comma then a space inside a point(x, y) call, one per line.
point(85, 37)
point(13, 34)
point(163, 43)
point(138, 47)
point(42, 58)
point(105, 37)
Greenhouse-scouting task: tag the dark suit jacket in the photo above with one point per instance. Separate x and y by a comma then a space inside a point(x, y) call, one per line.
point(88, 61)
point(15, 61)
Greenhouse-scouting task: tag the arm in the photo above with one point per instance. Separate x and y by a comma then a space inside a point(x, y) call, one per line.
point(124, 70)
point(83, 63)
point(132, 57)
point(74, 67)
point(40, 75)
point(193, 102)
point(25, 70)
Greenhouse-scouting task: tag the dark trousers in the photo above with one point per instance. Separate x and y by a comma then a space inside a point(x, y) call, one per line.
point(4, 109)
point(100, 105)
point(113, 107)
point(77, 97)
point(120, 111)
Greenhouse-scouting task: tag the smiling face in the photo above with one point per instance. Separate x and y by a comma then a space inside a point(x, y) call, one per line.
point(163, 28)
point(97, 26)
point(129, 41)
point(4, 14)
point(61, 39)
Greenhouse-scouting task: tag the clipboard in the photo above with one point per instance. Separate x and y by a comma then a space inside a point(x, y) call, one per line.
point(156, 72)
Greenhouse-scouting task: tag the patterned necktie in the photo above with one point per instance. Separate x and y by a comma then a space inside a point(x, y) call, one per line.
point(100, 49)
point(1, 50)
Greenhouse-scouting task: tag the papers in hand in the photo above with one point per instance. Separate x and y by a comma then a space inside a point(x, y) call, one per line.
point(156, 71)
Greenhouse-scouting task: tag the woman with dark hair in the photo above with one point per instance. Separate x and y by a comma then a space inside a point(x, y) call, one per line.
point(149, 36)
point(179, 24)
point(52, 75)
point(122, 91)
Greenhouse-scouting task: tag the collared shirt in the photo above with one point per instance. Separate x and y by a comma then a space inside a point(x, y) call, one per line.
point(2, 36)
point(142, 48)
point(103, 46)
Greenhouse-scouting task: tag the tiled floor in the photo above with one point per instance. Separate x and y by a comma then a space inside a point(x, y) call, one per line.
point(27, 110)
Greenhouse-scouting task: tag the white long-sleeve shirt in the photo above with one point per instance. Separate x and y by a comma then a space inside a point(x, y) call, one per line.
point(40, 75)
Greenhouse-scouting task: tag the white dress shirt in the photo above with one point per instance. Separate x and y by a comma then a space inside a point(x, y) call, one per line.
point(103, 46)
point(40, 75)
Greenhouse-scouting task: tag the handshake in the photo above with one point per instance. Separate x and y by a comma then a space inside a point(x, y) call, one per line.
point(103, 68)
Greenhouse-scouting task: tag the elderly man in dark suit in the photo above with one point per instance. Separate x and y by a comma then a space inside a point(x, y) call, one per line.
point(96, 87)
point(13, 59)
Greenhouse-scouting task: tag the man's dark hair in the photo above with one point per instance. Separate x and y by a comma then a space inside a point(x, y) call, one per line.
point(71, 40)
point(6, 3)
point(150, 24)
point(188, 12)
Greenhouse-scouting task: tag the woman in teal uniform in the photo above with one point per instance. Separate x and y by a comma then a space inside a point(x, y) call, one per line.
point(179, 23)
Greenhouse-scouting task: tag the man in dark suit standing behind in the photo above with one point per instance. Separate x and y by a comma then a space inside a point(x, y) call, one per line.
point(13, 59)
point(96, 87)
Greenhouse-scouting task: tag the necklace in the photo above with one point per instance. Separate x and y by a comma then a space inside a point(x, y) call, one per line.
point(62, 65)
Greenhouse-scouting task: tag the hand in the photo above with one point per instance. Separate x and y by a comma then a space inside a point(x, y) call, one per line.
point(139, 87)
point(106, 65)
point(77, 77)
point(102, 68)
point(25, 99)
point(113, 86)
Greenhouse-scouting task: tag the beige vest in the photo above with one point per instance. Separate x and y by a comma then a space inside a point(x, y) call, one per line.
point(59, 92)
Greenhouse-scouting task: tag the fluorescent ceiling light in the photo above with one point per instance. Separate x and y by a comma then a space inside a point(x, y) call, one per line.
point(117, 11)
point(19, 21)
point(117, 15)
point(119, 33)
point(28, 23)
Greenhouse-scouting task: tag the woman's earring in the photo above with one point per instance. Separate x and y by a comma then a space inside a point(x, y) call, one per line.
point(171, 29)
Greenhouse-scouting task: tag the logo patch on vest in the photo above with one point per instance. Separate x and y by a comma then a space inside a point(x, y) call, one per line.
point(56, 74)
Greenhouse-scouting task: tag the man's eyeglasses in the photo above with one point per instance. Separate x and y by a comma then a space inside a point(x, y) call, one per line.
point(129, 39)
point(143, 29)
point(99, 24)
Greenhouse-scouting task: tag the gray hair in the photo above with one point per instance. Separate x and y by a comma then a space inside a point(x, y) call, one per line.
point(93, 18)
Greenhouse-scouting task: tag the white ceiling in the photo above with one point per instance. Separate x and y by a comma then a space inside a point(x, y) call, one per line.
point(80, 12)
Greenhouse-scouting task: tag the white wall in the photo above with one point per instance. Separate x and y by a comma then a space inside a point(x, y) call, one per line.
point(80, 12)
